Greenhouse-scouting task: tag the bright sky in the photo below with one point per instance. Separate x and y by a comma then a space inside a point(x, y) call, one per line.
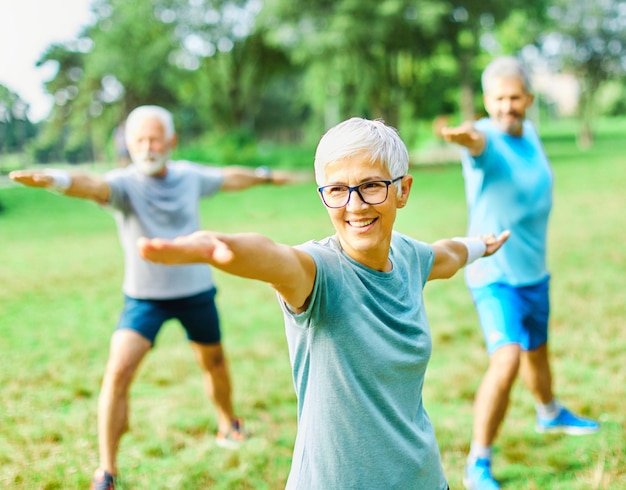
point(27, 28)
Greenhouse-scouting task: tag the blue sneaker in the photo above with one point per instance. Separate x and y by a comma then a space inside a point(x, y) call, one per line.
point(478, 476)
point(567, 423)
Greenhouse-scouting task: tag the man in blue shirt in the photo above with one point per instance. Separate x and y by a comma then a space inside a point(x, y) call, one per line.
point(508, 184)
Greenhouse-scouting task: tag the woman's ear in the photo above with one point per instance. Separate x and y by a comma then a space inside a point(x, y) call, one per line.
point(406, 183)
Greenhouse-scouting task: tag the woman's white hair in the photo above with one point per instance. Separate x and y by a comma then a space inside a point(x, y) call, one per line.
point(143, 112)
point(381, 142)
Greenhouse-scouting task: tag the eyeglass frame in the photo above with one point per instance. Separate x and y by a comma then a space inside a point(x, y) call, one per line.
point(355, 188)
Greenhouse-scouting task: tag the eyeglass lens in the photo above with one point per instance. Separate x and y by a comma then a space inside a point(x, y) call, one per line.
point(374, 192)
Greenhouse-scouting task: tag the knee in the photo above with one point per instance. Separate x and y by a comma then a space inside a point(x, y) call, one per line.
point(216, 362)
point(211, 359)
point(504, 366)
point(118, 374)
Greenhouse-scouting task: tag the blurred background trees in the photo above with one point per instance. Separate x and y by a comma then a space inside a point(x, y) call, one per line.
point(15, 128)
point(588, 40)
point(285, 70)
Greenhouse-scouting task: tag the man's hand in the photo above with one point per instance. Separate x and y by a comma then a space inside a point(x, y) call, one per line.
point(466, 135)
point(462, 135)
point(493, 244)
point(32, 178)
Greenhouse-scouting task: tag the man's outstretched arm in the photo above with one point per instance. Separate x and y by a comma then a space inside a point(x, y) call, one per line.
point(72, 184)
point(239, 178)
point(466, 135)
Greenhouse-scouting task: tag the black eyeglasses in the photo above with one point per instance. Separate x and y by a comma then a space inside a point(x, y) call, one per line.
point(372, 192)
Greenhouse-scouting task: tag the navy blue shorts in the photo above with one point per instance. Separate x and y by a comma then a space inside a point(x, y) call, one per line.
point(513, 315)
point(197, 314)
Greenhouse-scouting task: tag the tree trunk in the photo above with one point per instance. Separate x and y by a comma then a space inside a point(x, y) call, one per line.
point(586, 113)
point(466, 93)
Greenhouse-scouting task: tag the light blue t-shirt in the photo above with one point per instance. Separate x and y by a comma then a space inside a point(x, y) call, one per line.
point(359, 354)
point(509, 186)
point(161, 207)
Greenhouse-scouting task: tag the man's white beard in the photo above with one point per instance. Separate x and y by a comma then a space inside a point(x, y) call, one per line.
point(150, 163)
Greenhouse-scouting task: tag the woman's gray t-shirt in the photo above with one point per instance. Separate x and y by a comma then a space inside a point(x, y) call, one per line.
point(359, 355)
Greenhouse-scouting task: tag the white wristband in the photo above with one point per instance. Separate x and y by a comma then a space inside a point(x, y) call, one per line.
point(265, 173)
point(476, 247)
point(61, 180)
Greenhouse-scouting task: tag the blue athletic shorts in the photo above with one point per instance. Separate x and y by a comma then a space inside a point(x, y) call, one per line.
point(513, 315)
point(197, 314)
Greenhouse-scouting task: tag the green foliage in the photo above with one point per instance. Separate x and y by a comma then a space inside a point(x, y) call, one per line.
point(10, 162)
point(286, 70)
point(611, 99)
point(15, 128)
point(587, 39)
point(242, 148)
point(518, 30)
point(61, 298)
point(353, 66)
point(236, 148)
point(68, 126)
point(132, 44)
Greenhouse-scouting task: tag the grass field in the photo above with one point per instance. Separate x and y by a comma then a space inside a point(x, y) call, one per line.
point(60, 296)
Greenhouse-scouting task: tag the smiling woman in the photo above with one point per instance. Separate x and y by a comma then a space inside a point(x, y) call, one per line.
point(30, 27)
point(352, 305)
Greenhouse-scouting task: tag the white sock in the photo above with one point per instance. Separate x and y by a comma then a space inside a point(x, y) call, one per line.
point(478, 451)
point(549, 410)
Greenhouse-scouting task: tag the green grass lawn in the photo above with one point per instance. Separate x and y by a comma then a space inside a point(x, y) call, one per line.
point(60, 298)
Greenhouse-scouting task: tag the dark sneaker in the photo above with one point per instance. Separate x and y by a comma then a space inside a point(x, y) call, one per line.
point(103, 480)
point(567, 423)
point(234, 438)
point(478, 476)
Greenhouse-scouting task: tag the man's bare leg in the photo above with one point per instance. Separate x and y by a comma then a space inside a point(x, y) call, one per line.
point(490, 406)
point(492, 397)
point(126, 352)
point(212, 361)
point(536, 374)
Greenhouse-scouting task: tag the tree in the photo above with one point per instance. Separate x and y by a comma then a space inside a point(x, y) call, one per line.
point(15, 127)
point(200, 59)
point(63, 135)
point(228, 88)
point(473, 31)
point(251, 66)
point(589, 39)
point(115, 64)
point(379, 58)
point(359, 56)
